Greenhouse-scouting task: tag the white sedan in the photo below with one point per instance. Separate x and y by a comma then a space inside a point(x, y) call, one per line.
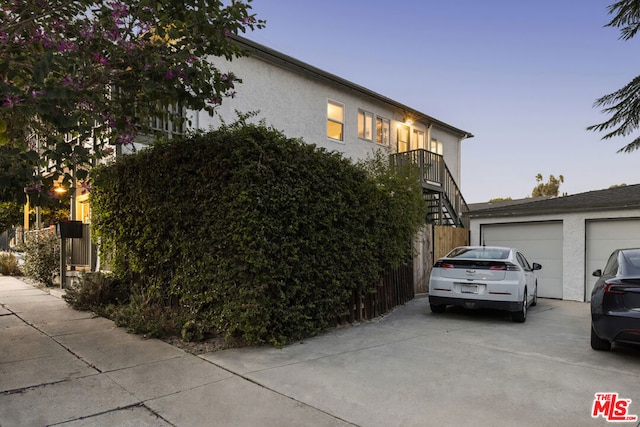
point(484, 277)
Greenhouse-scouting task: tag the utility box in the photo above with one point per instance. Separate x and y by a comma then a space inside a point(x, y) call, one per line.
point(69, 229)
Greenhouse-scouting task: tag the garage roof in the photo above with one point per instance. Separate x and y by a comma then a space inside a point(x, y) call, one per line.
point(625, 197)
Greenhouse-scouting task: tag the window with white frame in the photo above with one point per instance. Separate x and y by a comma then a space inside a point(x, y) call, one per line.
point(383, 127)
point(418, 139)
point(365, 125)
point(403, 138)
point(436, 147)
point(335, 120)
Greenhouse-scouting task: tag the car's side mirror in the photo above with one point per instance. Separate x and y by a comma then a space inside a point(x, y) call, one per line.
point(597, 273)
point(537, 266)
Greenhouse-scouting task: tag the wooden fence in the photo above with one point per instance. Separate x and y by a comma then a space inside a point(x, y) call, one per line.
point(447, 238)
point(395, 289)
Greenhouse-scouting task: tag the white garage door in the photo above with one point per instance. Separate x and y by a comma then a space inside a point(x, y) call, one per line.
point(540, 242)
point(603, 237)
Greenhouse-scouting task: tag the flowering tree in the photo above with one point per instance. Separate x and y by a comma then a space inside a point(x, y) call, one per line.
point(80, 78)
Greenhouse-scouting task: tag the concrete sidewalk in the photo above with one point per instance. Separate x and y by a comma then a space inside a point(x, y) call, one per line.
point(59, 366)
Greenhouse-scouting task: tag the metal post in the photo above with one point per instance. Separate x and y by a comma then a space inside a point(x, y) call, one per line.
point(63, 261)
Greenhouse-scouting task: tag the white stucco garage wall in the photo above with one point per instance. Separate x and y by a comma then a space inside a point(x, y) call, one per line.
point(573, 242)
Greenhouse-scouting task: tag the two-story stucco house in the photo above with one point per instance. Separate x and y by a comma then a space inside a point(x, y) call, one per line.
point(338, 115)
point(323, 109)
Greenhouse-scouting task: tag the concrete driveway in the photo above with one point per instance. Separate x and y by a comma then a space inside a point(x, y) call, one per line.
point(415, 368)
point(410, 368)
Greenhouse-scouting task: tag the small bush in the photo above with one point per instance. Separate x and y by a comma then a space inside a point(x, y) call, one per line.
point(95, 291)
point(9, 265)
point(147, 316)
point(41, 256)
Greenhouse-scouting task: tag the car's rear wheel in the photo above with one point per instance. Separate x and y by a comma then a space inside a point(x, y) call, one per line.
point(535, 296)
point(521, 315)
point(438, 308)
point(598, 343)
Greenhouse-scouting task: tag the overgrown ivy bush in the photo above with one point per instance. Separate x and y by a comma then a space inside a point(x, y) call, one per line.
point(41, 256)
point(249, 233)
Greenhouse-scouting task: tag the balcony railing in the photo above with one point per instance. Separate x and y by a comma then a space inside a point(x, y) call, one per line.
point(435, 177)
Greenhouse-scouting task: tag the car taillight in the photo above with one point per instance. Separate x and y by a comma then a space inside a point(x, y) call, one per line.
point(504, 267)
point(612, 288)
point(444, 265)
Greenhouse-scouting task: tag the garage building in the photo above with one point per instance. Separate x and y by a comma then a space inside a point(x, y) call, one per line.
point(571, 236)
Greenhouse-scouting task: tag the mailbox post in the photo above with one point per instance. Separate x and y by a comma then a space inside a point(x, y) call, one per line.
point(66, 230)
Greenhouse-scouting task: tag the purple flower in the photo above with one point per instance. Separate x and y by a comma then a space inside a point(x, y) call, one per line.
point(124, 138)
point(169, 74)
point(66, 45)
point(10, 101)
point(86, 187)
point(97, 57)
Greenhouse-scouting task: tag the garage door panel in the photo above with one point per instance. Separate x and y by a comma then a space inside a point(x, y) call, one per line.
point(602, 238)
point(539, 242)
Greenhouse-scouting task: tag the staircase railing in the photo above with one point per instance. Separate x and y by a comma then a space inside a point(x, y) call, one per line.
point(435, 177)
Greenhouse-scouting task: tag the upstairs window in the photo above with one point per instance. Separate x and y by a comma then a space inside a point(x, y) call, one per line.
point(403, 138)
point(365, 125)
point(335, 120)
point(418, 139)
point(436, 147)
point(383, 127)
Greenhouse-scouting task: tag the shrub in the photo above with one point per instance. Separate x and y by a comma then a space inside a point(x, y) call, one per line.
point(9, 265)
point(250, 233)
point(95, 291)
point(41, 256)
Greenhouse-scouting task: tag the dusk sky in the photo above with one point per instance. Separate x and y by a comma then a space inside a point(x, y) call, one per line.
point(521, 76)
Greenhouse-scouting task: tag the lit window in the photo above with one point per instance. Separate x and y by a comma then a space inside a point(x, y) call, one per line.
point(403, 138)
point(365, 125)
point(335, 120)
point(382, 131)
point(436, 147)
point(419, 139)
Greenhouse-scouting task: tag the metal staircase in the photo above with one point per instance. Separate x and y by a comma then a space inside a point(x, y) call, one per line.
point(445, 201)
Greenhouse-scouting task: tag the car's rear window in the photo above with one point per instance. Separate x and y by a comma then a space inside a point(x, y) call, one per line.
point(632, 258)
point(479, 253)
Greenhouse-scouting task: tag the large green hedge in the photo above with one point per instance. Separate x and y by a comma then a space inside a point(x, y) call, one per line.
point(246, 232)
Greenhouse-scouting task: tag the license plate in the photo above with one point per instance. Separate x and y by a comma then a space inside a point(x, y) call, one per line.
point(469, 289)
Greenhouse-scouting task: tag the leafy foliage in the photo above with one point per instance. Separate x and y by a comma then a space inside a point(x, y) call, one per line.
point(245, 232)
point(94, 291)
point(42, 256)
point(623, 105)
point(549, 188)
point(10, 215)
point(80, 78)
point(9, 265)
